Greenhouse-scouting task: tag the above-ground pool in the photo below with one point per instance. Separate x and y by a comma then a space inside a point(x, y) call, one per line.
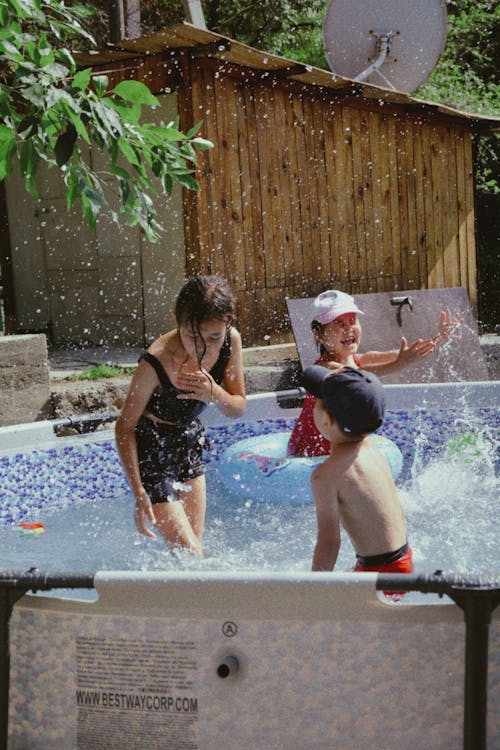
point(246, 648)
point(76, 488)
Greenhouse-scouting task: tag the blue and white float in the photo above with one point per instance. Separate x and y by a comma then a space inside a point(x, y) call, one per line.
point(258, 468)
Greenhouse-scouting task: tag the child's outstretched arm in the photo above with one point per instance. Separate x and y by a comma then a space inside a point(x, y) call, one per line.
point(383, 363)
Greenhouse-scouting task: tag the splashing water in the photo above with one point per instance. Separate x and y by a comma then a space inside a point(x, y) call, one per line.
point(450, 505)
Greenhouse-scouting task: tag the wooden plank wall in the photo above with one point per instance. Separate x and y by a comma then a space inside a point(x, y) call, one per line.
point(306, 191)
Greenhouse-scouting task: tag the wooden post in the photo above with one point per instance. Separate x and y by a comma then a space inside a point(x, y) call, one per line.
point(133, 19)
point(194, 13)
point(116, 20)
point(124, 19)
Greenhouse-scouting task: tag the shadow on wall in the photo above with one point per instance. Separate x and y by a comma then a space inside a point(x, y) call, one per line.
point(488, 261)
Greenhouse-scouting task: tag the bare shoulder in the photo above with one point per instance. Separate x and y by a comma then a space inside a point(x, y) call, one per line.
point(326, 472)
point(235, 337)
point(165, 346)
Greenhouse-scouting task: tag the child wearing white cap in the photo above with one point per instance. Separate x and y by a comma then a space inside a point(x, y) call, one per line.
point(337, 331)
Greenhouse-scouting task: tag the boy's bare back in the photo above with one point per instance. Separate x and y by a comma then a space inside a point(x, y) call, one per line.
point(354, 488)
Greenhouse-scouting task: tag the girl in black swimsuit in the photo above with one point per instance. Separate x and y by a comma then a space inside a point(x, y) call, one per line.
point(159, 435)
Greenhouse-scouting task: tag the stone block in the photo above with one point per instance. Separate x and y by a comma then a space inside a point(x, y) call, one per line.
point(26, 349)
point(24, 379)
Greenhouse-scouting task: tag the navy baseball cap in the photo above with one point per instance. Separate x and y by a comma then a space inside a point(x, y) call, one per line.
point(355, 398)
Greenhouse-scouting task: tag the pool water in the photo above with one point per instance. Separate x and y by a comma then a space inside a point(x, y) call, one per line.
point(81, 496)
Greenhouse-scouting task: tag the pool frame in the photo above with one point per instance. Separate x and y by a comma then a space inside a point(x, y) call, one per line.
point(477, 597)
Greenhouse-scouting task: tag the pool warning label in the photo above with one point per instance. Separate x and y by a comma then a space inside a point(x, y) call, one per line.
point(136, 694)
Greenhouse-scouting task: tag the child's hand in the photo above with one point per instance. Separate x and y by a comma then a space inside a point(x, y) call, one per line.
point(447, 326)
point(195, 385)
point(143, 512)
point(418, 349)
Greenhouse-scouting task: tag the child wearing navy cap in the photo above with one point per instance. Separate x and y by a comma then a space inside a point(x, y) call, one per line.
point(353, 487)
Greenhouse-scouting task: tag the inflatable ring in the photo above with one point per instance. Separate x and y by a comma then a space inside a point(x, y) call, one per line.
point(258, 468)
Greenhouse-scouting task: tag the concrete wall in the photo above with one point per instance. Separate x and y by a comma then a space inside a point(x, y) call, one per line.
point(24, 379)
point(111, 286)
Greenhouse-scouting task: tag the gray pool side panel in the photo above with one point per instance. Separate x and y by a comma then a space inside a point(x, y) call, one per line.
point(323, 662)
point(454, 396)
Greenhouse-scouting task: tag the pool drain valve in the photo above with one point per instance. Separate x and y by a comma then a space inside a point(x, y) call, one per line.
point(228, 667)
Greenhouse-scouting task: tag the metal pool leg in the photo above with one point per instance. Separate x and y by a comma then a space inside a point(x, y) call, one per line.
point(8, 598)
point(14, 585)
point(478, 598)
point(477, 614)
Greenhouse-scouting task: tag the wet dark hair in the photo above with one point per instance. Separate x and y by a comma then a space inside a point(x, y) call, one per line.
point(317, 327)
point(205, 298)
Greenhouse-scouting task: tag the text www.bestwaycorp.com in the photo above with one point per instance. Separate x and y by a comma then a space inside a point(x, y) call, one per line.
point(136, 701)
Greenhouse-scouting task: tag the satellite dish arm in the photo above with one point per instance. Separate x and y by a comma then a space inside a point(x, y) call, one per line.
point(383, 47)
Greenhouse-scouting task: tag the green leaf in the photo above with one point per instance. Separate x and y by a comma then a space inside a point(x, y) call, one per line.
point(54, 95)
point(167, 184)
point(56, 71)
point(27, 127)
point(100, 84)
point(128, 152)
point(35, 95)
point(109, 119)
point(78, 125)
point(202, 144)
point(64, 145)
point(66, 56)
point(11, 51)
point(135, 92)
point(28, 159)
point(128, 112)
point(82, 79)
point(4, 15)
point(193, 130)
point(172, 134)
point(124, 186)
point(75, 184)
point(7, 152)
point(189, 182)
point(6, 134)
point(119, 171)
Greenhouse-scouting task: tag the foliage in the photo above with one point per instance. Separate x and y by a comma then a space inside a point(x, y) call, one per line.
point(266, 24)
point(52, 113)
point(96, 372)
point(466, 77)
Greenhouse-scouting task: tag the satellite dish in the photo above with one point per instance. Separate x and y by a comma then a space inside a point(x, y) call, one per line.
point(391, 43)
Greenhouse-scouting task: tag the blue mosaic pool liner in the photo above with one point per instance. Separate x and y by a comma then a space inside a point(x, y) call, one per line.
point(37, 479)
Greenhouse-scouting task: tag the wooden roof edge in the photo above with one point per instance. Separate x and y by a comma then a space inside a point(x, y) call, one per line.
point(484, 123)
point(230, 50)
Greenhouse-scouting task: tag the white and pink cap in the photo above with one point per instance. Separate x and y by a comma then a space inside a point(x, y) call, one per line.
point(332, 304)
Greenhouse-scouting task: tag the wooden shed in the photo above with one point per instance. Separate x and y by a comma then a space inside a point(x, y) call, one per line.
point(315, 181)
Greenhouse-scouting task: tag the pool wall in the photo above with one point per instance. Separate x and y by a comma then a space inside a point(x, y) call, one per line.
point(323, 664)
point(452, 396)
point(319, 661)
